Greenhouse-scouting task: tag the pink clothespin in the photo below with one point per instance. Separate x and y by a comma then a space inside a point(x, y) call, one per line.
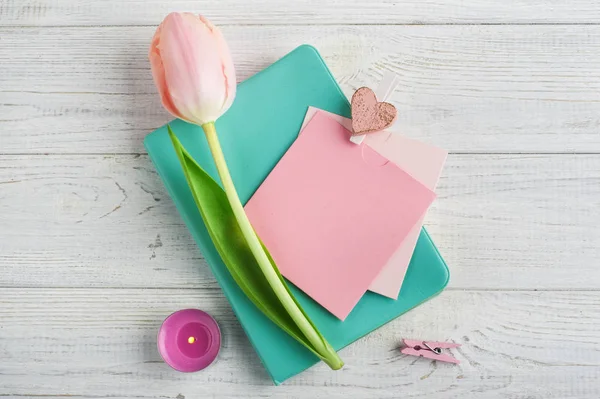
point(430, 350)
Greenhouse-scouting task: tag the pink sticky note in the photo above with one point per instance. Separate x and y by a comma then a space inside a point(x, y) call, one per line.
point(422, 161)
point(332, 214)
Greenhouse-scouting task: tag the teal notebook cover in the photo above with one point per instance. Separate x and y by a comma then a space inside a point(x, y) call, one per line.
point(255, 133)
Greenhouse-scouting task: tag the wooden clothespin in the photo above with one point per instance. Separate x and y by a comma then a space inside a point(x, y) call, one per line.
point(430, 350)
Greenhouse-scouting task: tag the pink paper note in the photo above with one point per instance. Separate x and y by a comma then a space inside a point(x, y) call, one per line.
point(422, 161)
point(332, 214)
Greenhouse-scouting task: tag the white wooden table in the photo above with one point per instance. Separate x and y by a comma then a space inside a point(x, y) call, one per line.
point(93, 254)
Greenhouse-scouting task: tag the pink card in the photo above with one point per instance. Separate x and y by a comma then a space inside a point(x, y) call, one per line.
point(422, 161)
point(333, 213)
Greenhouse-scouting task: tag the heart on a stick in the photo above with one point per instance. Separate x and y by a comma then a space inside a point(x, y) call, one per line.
point(368, 115)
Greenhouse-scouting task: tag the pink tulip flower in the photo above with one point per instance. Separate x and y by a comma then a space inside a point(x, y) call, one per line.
point(192, 68)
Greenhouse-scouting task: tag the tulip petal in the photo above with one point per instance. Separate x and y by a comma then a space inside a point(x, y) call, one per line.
point(227, 64)
point(158, 74)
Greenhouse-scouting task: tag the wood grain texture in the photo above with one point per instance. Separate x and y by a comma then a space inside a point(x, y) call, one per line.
point(500, 221)
point(282, 12)
point(102, 343)
point(500, 89)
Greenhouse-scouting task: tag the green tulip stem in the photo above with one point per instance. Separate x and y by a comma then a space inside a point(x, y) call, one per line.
point(267, 268)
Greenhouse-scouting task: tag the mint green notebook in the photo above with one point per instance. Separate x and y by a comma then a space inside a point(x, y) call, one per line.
point(255, 133)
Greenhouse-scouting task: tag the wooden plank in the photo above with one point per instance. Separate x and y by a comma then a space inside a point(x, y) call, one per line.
point(500, 221)
point(151, 12)
point(102, 342)
point(466, 88)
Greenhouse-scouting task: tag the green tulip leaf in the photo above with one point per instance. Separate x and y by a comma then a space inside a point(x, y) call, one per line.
point(225, 232)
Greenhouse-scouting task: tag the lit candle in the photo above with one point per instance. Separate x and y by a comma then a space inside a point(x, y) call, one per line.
point(189, 340)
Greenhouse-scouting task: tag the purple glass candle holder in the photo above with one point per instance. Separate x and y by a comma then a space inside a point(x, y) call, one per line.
point(189, 340)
